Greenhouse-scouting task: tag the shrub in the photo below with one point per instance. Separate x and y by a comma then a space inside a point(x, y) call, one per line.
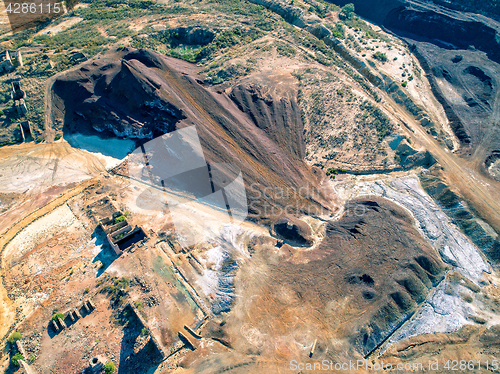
point(348, 10)
point(109, 367)
point(57, 315)
point(14, 337)
point(144, 332)
point(380, 56)
point(119, 219)
point(285, 50)
point(337, 30)
point(404, 83)
point(15, 359)
point(335, 171)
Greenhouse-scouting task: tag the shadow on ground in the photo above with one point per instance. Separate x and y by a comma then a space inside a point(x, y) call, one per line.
point(107, 255)
point(131, 360)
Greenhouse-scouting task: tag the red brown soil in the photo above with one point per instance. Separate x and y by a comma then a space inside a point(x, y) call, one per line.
point(369, 273)
point(113, 90)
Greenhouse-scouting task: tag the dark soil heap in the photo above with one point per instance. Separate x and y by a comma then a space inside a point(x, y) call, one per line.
point(140, 94)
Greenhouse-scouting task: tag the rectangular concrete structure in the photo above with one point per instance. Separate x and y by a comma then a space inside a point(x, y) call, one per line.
point(54, 325)
point(20, 348)
point(91, 304)
point(144, 323)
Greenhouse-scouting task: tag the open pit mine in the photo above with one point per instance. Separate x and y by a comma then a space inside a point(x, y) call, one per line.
point(251, 186)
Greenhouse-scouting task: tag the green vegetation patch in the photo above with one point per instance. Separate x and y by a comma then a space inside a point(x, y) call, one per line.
point(56, 316)
point(123, 9)
point(15, 359)
point(335, 171)
point(285, 50)
point(375, 118)
point(14, 337)
point(380, 56)
point(109, 368)
point(120, 219)
point(181, 43)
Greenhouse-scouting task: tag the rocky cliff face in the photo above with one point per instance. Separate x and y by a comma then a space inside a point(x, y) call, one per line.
point(450, 31)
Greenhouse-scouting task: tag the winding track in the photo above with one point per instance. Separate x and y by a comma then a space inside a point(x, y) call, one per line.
point(482, 192)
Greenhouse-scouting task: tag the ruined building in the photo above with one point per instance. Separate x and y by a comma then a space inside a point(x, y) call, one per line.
point(96, 364)
point(119, 233)
point(18, 95)
point(9, 60)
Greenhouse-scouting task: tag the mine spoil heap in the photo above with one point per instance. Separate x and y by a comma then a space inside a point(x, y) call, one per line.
point(141, 94)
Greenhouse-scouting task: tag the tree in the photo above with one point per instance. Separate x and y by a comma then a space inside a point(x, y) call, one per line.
point(109, 367)
point(348, 10)
point(14, 337)
point(15, 359)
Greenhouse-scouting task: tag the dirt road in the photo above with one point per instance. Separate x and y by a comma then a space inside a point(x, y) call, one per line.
point(481, 192)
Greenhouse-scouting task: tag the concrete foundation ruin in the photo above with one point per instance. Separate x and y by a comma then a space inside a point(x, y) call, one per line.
point(25, 368)
point(73, 315)
point(154, 340)
point(119, 233)
point(18, 95)
point(9, 60)
point(96, 364)
point(25, 129)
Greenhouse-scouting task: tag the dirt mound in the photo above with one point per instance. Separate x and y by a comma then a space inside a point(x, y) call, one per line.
point(140, 94)
point(375, 261)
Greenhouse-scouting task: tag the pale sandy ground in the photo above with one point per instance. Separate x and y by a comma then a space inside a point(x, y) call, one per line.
point(7, 306)
point(42, 228)
point(418, 88)
point(60, 27)
point(35, 167)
